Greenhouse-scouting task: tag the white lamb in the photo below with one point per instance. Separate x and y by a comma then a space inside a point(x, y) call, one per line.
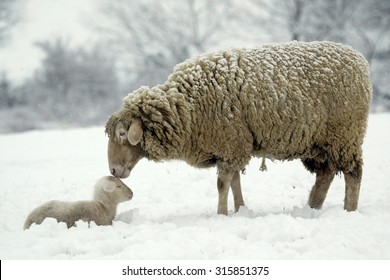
point(109, 192)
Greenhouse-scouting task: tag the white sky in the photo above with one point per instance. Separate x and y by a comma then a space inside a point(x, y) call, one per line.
point(44, 20)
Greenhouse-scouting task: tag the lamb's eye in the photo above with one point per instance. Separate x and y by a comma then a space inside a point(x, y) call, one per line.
point(118, 186)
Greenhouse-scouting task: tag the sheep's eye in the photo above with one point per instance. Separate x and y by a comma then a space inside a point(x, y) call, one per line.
point(122, 133)
point(118, 186)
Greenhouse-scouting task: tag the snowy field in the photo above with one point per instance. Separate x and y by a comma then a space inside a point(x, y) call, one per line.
point(173, 212)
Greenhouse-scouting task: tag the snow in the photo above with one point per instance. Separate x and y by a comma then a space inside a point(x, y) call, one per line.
point(173, 212)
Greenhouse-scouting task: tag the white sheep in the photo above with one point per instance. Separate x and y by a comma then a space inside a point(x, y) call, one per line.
point(297, 100)
point(108, 193)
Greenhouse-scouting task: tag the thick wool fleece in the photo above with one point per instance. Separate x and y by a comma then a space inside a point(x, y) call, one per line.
point(280, 101)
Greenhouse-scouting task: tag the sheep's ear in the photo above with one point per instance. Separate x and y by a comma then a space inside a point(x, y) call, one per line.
point(135, 132)
point(109, 187)
point(120, 132)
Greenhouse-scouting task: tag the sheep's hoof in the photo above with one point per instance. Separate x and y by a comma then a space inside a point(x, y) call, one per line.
point(351, 208)
point(222, 212)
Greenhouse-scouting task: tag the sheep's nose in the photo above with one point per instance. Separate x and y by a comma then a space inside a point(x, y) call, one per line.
point(119, 171)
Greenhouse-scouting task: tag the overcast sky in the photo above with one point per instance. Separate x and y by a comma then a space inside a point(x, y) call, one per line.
point(44, 20)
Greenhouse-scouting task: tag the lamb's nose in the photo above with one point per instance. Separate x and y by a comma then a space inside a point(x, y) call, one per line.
point(113, 172)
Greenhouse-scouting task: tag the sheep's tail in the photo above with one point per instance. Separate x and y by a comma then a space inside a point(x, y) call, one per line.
point(263, 166)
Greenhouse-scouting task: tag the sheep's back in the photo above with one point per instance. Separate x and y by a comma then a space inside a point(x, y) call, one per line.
point(276, 100)
point(307, 90)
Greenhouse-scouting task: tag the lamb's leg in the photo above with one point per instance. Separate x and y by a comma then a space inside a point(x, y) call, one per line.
point(352, 188)
point(320, 189)
point(223, 184)
point(70, 224)
point(236, 189)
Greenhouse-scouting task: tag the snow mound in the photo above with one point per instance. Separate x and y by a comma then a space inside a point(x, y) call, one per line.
point(173, 213)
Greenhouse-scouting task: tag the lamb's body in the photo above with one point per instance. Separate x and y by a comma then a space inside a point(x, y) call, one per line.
point(101, 210)
point(71, 212)
point(281, 101)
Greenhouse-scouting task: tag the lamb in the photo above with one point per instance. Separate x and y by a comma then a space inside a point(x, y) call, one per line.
point(108, 193)
point(296, 100)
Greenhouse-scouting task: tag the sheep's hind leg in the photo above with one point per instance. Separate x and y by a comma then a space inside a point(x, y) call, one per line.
point(237, 193)
point(352, 188)
point(324, 178)
point(223, 184)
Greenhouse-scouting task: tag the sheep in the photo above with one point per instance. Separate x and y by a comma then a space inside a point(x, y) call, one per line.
point(295, 100)
point(108, 193)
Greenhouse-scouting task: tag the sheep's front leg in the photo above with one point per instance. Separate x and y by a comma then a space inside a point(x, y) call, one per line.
point(236, 189)
point(223, 184)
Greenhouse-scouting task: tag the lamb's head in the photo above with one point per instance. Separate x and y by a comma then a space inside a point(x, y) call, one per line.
point(112, 189)
point(124, 149)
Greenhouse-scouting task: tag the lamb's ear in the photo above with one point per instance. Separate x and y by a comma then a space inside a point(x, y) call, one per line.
point(135, 132)
point(120, 132)
point(109, 187)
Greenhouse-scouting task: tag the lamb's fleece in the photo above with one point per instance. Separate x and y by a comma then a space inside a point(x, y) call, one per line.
point(108, 193)
point(280, 101)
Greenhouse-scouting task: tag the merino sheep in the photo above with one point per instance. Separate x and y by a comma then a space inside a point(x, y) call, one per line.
point(296, 100)
point(108, 193)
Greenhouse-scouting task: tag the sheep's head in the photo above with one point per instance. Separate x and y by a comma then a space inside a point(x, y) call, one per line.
point(113, 188)
point(124, 149)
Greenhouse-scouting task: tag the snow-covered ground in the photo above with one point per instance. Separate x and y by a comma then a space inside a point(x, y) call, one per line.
point(173, 212)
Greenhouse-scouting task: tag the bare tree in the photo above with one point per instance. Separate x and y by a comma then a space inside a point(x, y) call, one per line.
point(372, 26)
point(361, 23)
point(74, 84)
point(159, 34)
point(282, 19)
point(372, 29)
point(9, 16)
point(330, 20)
point(302, 20)
point(58, 64)
point(6, 100)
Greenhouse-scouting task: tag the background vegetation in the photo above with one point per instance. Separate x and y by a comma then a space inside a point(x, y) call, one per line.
point(141, 41)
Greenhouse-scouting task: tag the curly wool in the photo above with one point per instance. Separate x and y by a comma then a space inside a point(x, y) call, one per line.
point(280, 101)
